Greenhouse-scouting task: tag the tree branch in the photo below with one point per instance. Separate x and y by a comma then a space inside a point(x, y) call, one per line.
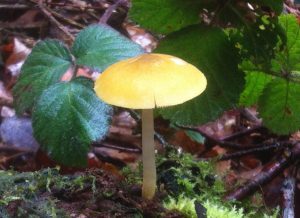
point(268, 172)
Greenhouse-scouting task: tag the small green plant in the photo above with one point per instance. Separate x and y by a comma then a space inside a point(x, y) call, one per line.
point(67, 115)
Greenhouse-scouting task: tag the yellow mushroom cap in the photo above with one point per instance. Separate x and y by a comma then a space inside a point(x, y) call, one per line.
point(148, 81)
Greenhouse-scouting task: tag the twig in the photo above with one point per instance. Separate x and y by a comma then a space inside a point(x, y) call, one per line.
point(116, 147)
point(5, 160)
point(79, 7)
point(268, 172)
point(14, 6)
point(16, 25)
point(108, 12)
point(243, 133)
point(106, 158)
point(161, 139)
point(250, 116)
point(215, 141)
point(288, 191)
point(250, 151)
point(45, 11)
point(71, 22)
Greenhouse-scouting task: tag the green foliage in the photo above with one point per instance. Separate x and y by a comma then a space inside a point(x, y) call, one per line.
point(218, 211)
point(276, 94)
point(257, 41)
point(255, 84)
point(68, 116)
point(165, 16)
point(195, 136)
point(170, 15)
point(132, 176)
point(28, 185)
point(75, 108)
point(213, 210)
point(181, 174)
point(100, 46)
point(46, 64)
point(187, 181)
point(210, 50)
point(266, 46)
point(183, 204)
point(287, 60)
point(32, 190)
point(279, 106)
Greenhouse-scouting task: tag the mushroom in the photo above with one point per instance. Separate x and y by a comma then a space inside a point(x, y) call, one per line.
point(145, 82)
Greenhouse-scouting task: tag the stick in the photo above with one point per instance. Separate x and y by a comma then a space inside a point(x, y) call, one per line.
point(215, 141)
point(53, 20)
point(107, 14)
point(250, 151)
point(111, 145)
point(268, 172)
point(106, 158)
point(71, 22)
point(14, 6)
point(243, 133)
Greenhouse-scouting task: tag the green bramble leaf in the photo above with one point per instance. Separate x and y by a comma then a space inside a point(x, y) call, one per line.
point(99, 46)
point(209, 49)
point(46, 64)
point(287, 60)
point(67, 118)
point(255, 84)
point(279, 106)
point(165, 16)
point(257, 41)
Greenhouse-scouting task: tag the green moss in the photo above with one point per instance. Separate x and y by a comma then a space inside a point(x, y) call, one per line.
point(181, 175)
point(30, 187)
point(184, 205)
point(187, 207)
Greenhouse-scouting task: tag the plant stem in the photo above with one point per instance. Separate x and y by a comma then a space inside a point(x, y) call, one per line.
point(149, 169)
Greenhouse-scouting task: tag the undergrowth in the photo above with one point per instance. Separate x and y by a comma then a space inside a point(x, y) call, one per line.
point(31, 191)
point(187, 181)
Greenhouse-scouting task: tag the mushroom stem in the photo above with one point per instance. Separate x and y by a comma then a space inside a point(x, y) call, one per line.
point(149, 169)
